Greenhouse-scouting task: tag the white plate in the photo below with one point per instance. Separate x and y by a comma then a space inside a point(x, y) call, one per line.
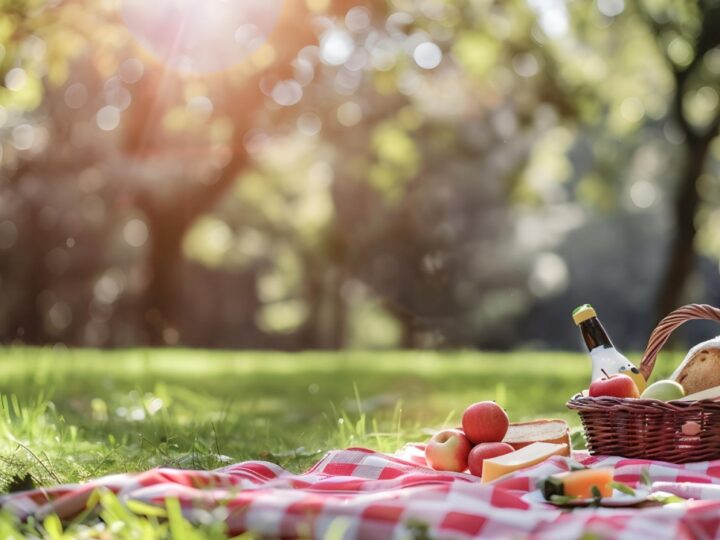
point(618, 498)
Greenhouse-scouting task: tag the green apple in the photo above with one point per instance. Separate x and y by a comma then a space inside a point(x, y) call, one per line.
point(663, 391)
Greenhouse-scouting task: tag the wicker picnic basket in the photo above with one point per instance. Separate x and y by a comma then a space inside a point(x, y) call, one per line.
point(648, 428)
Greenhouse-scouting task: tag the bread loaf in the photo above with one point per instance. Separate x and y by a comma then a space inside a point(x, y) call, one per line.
point(700, 369)
point(523, 434)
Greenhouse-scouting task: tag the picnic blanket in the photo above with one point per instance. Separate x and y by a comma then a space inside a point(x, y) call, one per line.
point(362, 494)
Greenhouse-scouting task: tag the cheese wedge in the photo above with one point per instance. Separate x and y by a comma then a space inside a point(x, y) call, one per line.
point(533, 454)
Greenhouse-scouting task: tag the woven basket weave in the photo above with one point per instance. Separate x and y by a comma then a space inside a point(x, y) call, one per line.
point(648, 428)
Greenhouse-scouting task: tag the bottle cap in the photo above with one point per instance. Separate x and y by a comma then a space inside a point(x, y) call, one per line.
point(583, 313)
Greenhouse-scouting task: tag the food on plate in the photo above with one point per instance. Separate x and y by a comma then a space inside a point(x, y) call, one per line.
point(485, 421)
point(484, 451)
point(448, 450)
point(617, 385)
point(533, 454)
point(606, 359)
point(700, 370)
point(522, 434)
point(578, 484)
point(664, 391)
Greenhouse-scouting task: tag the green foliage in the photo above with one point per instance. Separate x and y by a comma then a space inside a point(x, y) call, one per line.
point(209, 241)
point(398, 160)
point(476, 52)
point(119, 521)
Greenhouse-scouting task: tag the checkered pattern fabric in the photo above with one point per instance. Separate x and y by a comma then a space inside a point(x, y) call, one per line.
point(361, 494)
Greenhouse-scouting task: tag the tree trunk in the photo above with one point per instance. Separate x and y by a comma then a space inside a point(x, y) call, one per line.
point(29, 319)
point(161, 294)
point(168, 221)
point(681, 257)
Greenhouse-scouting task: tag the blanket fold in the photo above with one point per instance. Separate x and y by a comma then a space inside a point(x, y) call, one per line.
point(362, 494)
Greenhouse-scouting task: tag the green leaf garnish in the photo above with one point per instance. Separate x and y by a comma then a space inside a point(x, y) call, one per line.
point(597, 496)
point(665, 498)
point(561, 499)
point(623, 488)
point(645, 477)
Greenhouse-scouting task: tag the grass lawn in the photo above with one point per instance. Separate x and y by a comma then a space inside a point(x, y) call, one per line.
point(68, 416)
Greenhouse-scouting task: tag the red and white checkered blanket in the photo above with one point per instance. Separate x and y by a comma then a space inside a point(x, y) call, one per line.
point(362, 494)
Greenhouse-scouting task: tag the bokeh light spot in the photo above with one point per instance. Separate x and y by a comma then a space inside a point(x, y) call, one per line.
point(309, 124)
point(110, 286)
point(349, 114)
point(33, 48)
point(643, 194)
point(632, 109)
point(427, 55)
point(200, 106)
point(15, 79)
point(108, 118)
point(549, 275)
point(611, 8)
point(135, 233)
point(23, 136)
point(117, 95)
point(249, 36)
point(525, 65)
point(357, 19)
point(287, 93)
point(131, 71)
point(336, 47)
point(59, 316)
point(680, 51)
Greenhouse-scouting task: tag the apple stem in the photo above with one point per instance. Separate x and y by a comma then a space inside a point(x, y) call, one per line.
point(605, 373)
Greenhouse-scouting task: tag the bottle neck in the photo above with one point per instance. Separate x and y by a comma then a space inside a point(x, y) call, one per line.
point(594, 334)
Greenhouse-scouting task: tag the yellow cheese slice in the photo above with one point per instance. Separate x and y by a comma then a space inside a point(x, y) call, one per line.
point(532, 454)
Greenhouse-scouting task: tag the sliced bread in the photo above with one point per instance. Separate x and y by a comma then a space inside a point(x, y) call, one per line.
point(523, 434)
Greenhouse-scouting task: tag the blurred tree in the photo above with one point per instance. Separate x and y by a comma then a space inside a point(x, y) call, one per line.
point(169, 215)
point(150, 140)
point(660, 86)
point(422, 220)
point(414, 163)
point(688, 33)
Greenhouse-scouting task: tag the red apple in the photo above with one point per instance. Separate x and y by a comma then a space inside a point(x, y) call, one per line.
point(448, 451)
point(484, 422)
point(616, 385)
point(485, 451)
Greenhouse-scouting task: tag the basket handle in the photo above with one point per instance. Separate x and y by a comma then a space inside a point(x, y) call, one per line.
point(666, 327)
